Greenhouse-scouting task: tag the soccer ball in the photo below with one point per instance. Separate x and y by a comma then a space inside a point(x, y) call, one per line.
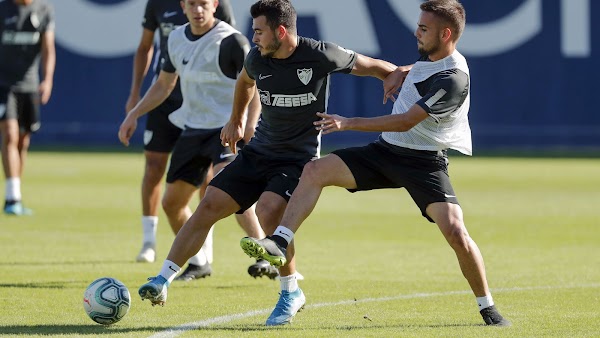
point(106, 300)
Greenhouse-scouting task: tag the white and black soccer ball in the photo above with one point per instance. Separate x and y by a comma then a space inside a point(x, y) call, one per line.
point(106, 300)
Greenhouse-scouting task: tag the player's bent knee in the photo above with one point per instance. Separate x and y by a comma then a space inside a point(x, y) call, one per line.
point(213, 208)
point(269, 214)
point(314, 174)
point(155, 166)
point(170, 206)
point(458, 237)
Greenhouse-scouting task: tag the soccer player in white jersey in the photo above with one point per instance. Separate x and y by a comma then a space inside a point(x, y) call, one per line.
point(206, 54)
point(428, 117)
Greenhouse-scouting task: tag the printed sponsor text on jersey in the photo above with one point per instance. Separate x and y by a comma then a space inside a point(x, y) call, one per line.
point(280, 100)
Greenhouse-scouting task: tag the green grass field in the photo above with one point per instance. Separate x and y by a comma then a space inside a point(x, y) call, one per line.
point(373, 266)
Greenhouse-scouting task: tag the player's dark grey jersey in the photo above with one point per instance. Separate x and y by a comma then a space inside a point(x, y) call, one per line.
point(21, 29)
point(291, 92)
point(163, 17)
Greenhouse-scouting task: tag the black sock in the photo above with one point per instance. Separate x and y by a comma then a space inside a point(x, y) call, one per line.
point(280, 241)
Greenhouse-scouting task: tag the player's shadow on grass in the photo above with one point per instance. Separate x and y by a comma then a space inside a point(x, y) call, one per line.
point(353, 328)
point(43, 285)
point(82, 330)
point(85, 263)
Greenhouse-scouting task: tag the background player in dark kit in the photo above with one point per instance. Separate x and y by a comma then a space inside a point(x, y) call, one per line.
point(26, 38)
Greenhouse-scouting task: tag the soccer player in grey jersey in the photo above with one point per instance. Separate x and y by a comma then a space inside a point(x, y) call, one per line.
point(292, 77)
point(429, 117)
point(26, 41)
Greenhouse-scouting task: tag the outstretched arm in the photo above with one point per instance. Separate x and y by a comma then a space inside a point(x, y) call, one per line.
point(368, 66)
point(395, 122)
point(391, 75)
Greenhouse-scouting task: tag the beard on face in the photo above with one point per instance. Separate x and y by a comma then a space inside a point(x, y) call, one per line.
point(423, 51)
point(270, 49)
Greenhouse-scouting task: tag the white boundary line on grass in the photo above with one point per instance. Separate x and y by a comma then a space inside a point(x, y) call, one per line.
point(180, 329)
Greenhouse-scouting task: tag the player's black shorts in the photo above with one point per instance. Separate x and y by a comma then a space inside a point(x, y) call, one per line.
point(194, 152)
point(25, 107)
point(160, 134)
point(381, 165)
point(251, 174)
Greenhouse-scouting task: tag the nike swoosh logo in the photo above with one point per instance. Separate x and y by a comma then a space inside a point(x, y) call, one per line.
point(283, 234)
point(169, 14)
point(185, 62)
point(262, 77)
point(287, 192)
point(449, 196)
point(222, 156)
point(171, 267)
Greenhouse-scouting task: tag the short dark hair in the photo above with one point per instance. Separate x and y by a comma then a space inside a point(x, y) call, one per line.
point(450, 11)
point(277, 12)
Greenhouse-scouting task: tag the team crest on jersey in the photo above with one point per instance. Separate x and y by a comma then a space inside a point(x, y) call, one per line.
point(35, 126)
point(265, 97)
point(147, 136)
point(305, 75)
point(34, 20)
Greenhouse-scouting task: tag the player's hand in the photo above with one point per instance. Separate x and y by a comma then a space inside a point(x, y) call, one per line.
point(393, 82)
point(127, 129)
point(230, 135)
point(330, 123)
point(45, 90)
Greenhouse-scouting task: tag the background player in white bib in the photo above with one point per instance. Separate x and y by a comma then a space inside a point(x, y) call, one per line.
point(291, 74)
point(206, 55)
point(160, 135)
point(429, 116)
point(26, 37)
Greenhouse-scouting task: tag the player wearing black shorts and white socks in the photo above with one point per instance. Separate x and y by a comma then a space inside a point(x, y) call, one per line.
point(429, 116)
point(26, 41)
point(291, 74)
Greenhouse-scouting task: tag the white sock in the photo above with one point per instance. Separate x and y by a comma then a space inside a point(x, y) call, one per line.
point(149, 226)
point(169, 270)
point(289, 283)
point(13, 189)
point(484, 302)
point(208, 246)
point(285, 233)
point(199, 258)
